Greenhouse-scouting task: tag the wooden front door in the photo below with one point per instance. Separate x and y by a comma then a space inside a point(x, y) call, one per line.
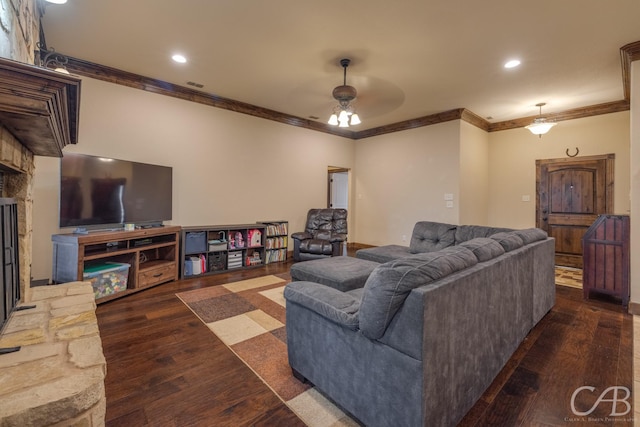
point(571, 193)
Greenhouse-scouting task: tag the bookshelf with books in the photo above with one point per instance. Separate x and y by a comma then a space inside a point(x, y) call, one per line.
point(276, 241)
point(218, 248)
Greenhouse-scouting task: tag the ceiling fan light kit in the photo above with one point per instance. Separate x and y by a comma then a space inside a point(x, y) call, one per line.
point(540, 125)
point(344, 113)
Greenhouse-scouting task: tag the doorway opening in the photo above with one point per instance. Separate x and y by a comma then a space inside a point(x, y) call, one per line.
point(338, 188)
point(338, 192)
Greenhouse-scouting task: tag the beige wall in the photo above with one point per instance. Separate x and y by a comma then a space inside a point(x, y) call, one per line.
point(474, 175)
point(228, 168)
point(231, 168)
point(635, 181)
point(513, 153)
point(401, 178)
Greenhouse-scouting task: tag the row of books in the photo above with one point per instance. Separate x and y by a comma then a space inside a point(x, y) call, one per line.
point(277, 229)
point(275, 256)
point(276, 242)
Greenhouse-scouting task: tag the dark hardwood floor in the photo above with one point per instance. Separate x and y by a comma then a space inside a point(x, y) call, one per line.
point(165, 368)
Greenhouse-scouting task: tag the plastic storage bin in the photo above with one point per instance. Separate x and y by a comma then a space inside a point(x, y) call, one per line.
point(107, 278)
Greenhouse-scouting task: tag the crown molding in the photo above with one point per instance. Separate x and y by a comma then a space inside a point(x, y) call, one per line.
point(576, 113)
point(112, 75)
point(629, 53)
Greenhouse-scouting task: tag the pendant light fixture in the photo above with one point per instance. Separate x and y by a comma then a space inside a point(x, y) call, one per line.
point(344, 113)
point(540, 125)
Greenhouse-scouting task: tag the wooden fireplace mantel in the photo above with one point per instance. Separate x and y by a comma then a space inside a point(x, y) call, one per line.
point(40, 107)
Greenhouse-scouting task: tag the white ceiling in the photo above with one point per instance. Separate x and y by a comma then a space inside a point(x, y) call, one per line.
point(410, 58)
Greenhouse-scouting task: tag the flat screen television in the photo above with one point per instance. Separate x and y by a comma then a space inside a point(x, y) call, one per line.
point(99, 191)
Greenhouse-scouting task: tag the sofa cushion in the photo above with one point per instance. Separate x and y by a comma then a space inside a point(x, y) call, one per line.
point(339, 272)
point(531, 235)
point(384, 253)
point(468, 232)
point(508, 240)
point(389, 284)
point(332, 304)
point(483, 248)
point(430, 236)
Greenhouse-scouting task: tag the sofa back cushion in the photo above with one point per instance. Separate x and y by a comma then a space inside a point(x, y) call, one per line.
point(484, 248)
point(389, 284)
point(468, 232)
point(508, 240)
point(430, 236)
point(531, 235)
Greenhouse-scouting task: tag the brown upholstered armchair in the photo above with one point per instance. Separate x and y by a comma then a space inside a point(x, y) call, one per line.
point(323, 236)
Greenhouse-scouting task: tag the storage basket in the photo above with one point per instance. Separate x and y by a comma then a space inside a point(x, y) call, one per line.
point(195, 242)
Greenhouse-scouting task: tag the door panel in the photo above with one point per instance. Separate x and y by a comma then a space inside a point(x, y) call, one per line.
point(571, 193)
point(339, 190)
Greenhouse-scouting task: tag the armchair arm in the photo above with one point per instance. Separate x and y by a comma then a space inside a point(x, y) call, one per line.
point(337, 237)
point(301, 235)
point(334, 305)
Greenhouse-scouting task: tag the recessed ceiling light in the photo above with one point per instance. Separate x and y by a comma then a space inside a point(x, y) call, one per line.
point(57, 1)
point(512, 63)
point(179, 58)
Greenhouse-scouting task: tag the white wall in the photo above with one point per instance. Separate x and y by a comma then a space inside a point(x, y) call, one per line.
point(401, 178)
point(228, 168)
point(513, 154)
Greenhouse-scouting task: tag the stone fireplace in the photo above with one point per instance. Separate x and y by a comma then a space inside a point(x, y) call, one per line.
point(57, 375)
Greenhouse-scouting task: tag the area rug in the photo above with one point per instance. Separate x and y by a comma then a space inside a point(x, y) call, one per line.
point(568, 276)
point(249, 317)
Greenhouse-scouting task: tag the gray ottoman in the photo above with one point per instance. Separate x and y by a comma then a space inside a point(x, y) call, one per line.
point(341, 272)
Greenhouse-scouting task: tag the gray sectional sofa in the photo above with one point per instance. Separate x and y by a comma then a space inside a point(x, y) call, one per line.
point(428, 236)
point(428, 332)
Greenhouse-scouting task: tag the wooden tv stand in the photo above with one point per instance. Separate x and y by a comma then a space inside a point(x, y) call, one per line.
point(152, 254)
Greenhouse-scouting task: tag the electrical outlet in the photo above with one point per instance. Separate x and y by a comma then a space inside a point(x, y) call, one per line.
point(404, 237)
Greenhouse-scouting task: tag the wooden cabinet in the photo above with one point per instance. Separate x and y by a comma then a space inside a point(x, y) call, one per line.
point(276, 240)
point(151, 254)
point(606, 259)
point(218, 248)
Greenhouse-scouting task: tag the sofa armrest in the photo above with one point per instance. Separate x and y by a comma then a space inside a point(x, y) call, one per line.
point(339, 307)
point(301, 235)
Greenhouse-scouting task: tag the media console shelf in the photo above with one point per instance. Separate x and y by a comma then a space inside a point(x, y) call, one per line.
point(151, 253)
point(218, 248)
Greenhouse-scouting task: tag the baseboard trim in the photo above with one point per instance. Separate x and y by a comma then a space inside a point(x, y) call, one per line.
point(354, 245)
point(634, 308)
